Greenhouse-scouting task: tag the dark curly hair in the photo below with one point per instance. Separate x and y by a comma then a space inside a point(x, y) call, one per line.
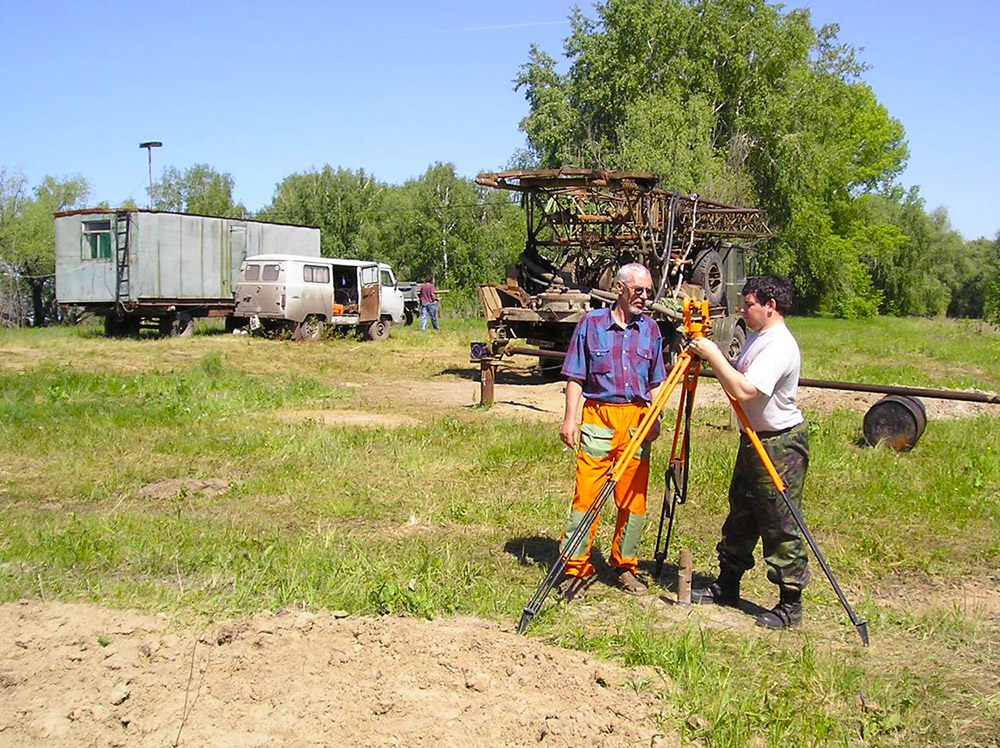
point(774, 288)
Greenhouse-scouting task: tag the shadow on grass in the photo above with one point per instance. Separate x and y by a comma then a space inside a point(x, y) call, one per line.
point(503, 376)
point(667, 586)
point(534, 551)
point(543, 552)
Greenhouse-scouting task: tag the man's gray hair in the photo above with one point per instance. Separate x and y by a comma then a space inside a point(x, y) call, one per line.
point(628, 272)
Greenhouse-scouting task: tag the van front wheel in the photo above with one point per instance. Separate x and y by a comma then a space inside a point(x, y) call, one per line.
point(379, 329)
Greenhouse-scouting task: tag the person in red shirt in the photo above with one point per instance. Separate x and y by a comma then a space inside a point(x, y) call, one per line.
point(428, 304)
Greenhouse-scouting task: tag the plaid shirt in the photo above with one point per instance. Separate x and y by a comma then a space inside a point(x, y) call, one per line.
point(616, 365)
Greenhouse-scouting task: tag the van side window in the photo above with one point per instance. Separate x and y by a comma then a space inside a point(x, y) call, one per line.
point(251, 272)
point(316, 274)
point(369, 275)
point(387, 279)
point(271, 272)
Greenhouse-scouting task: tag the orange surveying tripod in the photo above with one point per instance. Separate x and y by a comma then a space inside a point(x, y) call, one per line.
point(687, 369)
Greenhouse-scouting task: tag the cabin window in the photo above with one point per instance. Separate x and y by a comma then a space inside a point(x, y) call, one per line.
point(97, 240)
point(251, 272)
point(387, 279)
point(271, 272)
point(316, 274)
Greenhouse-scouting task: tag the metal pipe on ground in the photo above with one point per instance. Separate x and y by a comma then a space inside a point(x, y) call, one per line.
point(876, 389)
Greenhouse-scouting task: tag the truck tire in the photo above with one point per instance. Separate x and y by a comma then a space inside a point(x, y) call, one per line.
point(407, 317)
point(736, 342)
point(379, 329)
point(707, 273)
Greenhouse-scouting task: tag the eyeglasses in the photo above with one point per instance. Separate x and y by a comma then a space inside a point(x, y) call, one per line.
point(641, 291)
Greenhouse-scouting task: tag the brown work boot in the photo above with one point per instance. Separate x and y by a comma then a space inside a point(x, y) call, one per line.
point(571, 589)
point(627, 580)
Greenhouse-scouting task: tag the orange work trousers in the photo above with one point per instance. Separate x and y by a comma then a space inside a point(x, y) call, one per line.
point(605, 431)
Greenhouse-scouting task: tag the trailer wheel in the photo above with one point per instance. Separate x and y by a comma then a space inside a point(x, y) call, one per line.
point(379, 329)
point(707, 273)
point(112, 326)
point(310, 329)
point(178, 325)
point(185, 325)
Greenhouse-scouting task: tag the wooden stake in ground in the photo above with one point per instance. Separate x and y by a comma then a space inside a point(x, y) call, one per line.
point(487, 375)
point(684, 578)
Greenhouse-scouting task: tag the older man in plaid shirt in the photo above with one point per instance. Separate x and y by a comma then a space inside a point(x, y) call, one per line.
point(615, 365)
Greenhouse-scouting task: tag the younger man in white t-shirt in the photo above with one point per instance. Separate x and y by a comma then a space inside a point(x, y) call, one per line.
point(764, 379)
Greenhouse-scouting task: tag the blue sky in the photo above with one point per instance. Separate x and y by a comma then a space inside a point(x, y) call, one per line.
point(265, 89)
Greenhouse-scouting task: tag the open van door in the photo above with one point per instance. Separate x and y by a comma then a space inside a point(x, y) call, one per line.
point(369, 293)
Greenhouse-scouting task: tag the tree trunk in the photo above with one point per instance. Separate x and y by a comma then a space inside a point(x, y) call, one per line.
point(37, 302)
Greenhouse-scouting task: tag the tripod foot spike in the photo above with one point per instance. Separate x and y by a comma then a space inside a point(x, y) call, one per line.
point(862, 627)
point(526, 616)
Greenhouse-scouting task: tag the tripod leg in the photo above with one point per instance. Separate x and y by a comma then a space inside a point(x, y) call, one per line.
point(661, 556)
point(669, 478)
point(557, 568)
point(684, 409)
point(779, 484)
point(653, 413)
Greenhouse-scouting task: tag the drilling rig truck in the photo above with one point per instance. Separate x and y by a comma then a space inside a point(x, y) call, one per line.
point(582, 225)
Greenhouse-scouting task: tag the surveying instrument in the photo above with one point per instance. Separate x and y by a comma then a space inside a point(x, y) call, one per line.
point(686, 370)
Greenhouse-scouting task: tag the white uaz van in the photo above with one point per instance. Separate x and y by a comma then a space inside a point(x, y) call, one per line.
point(305, 293)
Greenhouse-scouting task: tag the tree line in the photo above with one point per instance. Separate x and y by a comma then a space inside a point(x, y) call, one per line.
point(736, 100)
point(743, 102)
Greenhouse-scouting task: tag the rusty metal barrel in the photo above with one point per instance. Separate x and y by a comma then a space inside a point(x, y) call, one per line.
point(895, 420)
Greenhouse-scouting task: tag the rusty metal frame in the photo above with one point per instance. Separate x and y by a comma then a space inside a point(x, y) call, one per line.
point(586, 221)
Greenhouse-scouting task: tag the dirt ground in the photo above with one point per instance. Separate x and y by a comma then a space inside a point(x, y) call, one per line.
point(80, 675)
point(520, 392)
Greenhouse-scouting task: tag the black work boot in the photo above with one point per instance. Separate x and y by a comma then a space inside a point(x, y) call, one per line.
point(787, 612)
point(723, 591)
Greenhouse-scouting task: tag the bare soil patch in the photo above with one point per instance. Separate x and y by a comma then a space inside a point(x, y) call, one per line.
point(348, 418)
point(974, 599)
point(80, 675)
point(521, 396)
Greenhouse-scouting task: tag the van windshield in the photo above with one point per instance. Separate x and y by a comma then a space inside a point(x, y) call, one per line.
point(271, 272)
point(251, 272)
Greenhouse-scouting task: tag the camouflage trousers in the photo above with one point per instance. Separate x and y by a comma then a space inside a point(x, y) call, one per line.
point(756, 510)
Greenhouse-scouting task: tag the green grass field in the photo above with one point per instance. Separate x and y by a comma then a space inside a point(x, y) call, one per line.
point(459, 511)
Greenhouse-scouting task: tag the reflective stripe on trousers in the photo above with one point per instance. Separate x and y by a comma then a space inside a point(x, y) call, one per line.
point(605, 431)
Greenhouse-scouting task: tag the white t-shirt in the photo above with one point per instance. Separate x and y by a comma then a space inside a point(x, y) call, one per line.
point(770, 361)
